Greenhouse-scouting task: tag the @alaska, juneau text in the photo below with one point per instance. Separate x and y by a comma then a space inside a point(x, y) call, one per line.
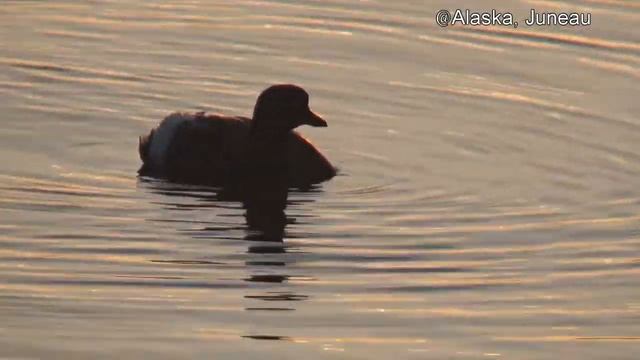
point(446, 18)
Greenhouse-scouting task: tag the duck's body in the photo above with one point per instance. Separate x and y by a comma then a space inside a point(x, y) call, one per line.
point(224, 150)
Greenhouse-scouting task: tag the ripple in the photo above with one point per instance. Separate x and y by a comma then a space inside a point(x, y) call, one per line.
point(563, 39)
point(80, 74)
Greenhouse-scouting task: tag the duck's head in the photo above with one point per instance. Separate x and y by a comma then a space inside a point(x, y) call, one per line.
point(284, 107)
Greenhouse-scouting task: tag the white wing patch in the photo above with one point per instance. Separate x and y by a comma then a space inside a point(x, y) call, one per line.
point(163, 136)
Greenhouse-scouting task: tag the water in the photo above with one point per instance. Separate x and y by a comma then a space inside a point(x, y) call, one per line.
point(487, 204)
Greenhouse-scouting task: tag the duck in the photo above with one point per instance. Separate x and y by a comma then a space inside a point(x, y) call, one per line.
point(218, 150)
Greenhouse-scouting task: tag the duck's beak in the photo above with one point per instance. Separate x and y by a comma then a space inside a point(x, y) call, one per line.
point(314, 119)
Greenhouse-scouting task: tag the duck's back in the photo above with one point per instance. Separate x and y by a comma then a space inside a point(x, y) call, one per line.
point(210, 149)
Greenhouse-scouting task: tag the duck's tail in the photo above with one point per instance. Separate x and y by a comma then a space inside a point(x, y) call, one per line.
point(153, 147)
point(144, 145)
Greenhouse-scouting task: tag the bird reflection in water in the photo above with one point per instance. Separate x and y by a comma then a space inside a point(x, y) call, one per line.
point(264, 205)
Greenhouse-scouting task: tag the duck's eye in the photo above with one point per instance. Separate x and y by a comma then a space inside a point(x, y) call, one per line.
point(300, 108)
